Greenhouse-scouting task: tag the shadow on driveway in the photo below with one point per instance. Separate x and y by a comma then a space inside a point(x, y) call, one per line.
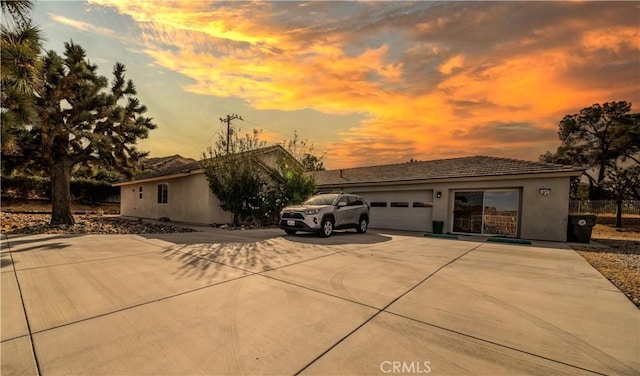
point(203, 253)
point(16, 240)
point(338, 237)
point(217, 236)
point(199, 259)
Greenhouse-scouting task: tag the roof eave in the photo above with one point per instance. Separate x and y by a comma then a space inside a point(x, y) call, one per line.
point(554, 174)
point(158, 178)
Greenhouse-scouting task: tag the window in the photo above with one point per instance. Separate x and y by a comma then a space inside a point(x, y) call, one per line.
point(378, 204)
point(325, 199)
point(140, 192)
point(163, 193)
point(355, 201)
point(399, 204)
point(422, 205)
point(343, 199)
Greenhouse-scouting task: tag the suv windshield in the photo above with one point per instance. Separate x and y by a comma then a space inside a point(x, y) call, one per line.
point(321, 199)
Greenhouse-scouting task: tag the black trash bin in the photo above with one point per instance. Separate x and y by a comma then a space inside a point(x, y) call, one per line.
point(438, 226)
point(579, 228)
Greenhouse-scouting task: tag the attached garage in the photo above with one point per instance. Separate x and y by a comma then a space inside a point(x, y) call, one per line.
point(472, 195)
point(409, 210)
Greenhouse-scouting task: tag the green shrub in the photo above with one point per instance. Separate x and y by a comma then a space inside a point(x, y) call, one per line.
point(82, 190)
point(25, 187)
point(92, 191)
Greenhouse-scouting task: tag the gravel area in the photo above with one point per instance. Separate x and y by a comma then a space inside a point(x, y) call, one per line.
point(617, 257)
point(27, 223)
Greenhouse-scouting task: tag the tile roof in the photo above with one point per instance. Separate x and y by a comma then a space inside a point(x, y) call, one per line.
point(165, 166)
point(161, 165)
point(477, 166)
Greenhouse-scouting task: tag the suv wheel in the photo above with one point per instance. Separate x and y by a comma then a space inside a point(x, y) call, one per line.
point(326, 227)
point(362, 225)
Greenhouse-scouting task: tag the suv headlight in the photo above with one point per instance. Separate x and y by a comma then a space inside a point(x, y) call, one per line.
point(311, 211)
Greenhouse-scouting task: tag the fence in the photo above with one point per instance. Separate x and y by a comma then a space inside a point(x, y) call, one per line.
point(629, 207)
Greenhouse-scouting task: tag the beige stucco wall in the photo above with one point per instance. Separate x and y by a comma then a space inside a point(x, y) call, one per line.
point(189, 200)
point(541, 217)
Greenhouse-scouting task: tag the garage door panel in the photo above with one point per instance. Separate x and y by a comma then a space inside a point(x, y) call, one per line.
point(401, 218)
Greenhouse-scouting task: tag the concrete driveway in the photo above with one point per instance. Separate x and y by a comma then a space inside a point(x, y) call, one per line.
point(255, 302)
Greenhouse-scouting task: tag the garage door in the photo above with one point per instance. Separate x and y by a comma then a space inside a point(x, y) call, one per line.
point(409, 210)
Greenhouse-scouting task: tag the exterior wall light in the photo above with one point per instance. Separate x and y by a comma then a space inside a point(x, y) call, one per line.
point(545, 191)
point(438, 194)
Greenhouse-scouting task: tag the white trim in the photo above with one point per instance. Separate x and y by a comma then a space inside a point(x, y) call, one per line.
point(484, 197)
point(159, 178)
point(158, 197)
point(558, 174)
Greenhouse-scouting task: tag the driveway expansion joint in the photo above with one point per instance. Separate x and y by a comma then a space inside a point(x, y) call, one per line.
point(370, 316)
point(493, 343)
point(87, 261)
point(24, 311)
point(384, 309)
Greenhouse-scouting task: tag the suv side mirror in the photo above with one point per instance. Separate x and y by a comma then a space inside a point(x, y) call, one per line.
point(341, 204)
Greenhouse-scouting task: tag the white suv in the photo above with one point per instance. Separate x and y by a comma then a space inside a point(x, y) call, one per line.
point(325, 213)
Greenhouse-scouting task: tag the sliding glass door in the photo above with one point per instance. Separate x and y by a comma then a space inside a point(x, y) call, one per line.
point(488, 212)
point(467, 212)
point(501, 212)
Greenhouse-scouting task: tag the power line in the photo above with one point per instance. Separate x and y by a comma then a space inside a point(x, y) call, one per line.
point(213, 135)
point(271, 129)
point(228, 121)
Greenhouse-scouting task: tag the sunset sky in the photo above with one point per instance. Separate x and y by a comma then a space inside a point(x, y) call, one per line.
point(366, 82)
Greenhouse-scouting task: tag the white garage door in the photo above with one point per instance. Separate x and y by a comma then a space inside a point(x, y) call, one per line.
point(409, 210)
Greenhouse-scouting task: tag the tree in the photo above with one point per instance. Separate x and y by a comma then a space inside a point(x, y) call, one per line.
point(623, 183)
point(16, 11)
point(298, 178)
point(234, 177)
point(598, 138)
point(303, 151)
point(20, 75)
point(312, 162)
point(297, 183)
point(82, 119)
point(247, 190)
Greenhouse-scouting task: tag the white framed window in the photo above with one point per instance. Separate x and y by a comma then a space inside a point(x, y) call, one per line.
point(140, 192)
point(163, 193)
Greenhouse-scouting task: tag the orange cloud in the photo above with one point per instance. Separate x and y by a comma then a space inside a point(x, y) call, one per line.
point(613, 39)
point(451, 64)
point(421, 98)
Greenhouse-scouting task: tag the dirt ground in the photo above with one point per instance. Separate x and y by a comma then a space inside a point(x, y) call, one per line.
point(32, 217)
point(617, 253)
point(44, 207)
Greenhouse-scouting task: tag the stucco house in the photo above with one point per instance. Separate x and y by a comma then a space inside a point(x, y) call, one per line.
point(177, 188)
point(471, 195)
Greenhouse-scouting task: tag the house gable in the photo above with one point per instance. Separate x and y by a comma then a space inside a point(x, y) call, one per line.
point(184, 189)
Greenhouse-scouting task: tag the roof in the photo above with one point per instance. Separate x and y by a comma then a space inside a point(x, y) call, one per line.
point(160, 164)
point(173, 165)
point(477, 166)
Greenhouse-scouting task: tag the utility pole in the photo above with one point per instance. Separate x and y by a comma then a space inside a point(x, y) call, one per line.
point(228, 121)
